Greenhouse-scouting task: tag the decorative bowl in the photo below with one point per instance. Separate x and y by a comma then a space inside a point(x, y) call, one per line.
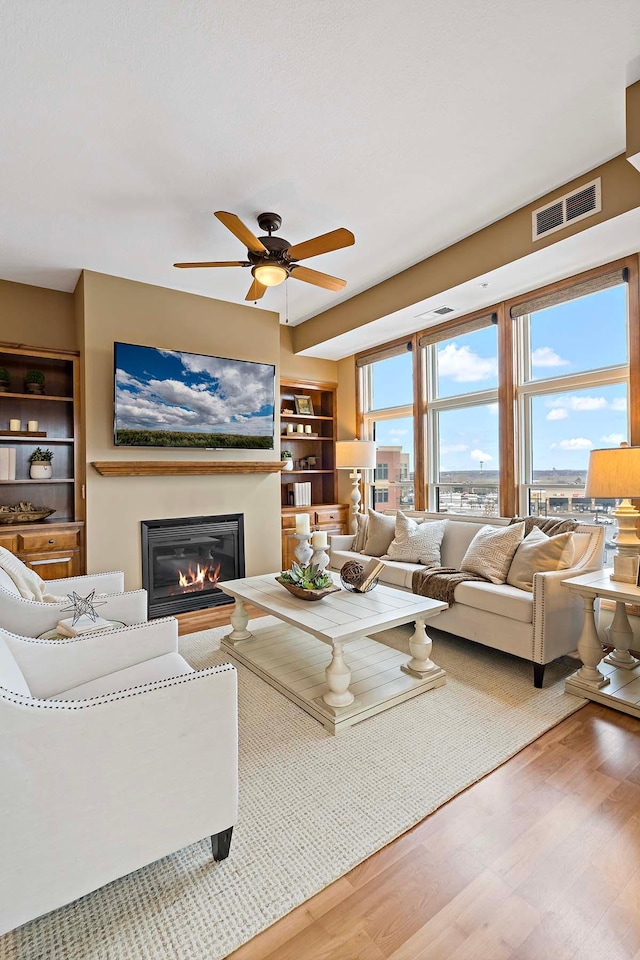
point(352, 588)
point(303, 594)
point(15, 515)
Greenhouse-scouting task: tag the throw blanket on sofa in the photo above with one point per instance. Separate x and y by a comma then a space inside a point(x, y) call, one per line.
point(547, 524)
point(439, 583)
point(30, 585)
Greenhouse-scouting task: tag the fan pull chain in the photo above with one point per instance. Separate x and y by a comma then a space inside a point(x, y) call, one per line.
point(286, 301)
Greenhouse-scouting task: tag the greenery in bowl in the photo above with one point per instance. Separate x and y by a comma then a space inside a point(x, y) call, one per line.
point(286, 455)
point(41, 456)
point(34, 376)
point(309, 578)
point(4, 375)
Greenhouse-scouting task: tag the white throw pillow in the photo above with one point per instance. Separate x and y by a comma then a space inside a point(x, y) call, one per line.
point(360, 538)
point(491, 551)
point(539, 553)
point(417, 542)
point(380, 532)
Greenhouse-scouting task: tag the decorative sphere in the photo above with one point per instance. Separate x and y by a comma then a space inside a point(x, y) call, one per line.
point(351, 572)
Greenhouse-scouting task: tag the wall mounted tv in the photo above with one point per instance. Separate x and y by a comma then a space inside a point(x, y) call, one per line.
point(164, 398)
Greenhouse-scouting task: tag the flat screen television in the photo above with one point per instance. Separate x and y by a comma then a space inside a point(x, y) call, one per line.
point(165, 398)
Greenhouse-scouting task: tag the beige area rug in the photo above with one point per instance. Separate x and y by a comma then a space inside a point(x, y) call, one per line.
point(312, 806)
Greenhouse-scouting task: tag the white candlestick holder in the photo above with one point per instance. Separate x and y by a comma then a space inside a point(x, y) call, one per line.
point(303, 550)
point(320, 558)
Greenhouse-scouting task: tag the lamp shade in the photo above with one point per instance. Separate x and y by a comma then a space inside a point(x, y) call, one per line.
point(355, 455)
point(614, 473)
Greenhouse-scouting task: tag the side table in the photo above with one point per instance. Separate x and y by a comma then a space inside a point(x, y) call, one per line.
point(614, 680)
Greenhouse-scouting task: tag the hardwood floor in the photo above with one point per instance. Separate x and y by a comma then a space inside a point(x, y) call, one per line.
point(540, 860)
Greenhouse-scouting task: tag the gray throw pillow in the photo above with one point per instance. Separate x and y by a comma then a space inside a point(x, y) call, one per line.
point(380, 532)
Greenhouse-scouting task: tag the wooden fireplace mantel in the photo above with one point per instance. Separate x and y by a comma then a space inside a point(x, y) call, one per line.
point(182, 468)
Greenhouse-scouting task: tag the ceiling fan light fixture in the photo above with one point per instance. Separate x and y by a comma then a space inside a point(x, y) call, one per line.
point(270, 274)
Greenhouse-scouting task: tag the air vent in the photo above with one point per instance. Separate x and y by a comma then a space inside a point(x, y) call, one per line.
point(436, 312)
point(572, 207)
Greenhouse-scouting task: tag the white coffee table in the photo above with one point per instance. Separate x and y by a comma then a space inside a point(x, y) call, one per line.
point(291, 654)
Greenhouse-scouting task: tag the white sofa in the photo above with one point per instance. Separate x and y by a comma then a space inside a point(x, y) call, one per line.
point(538, 626)
point(114, 752)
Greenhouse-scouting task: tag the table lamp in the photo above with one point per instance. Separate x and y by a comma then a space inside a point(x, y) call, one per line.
point(355, 455)
point(614, 474)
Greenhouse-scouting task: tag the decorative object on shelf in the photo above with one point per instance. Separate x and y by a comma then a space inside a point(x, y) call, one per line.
point(5, 380)
point(307, 582)
point(358, 579)
point(355, 455)
point(290, 427)
point(303, 551)
point(40, 461)
point(300, 428)
point(15, 426)
point(83, 606)
point(23, 512)
point(307, 428)
point(287, 412)
point(304, 406)
point(32, 426)
point(614, 473)
point(287, 457)
point(34, 381)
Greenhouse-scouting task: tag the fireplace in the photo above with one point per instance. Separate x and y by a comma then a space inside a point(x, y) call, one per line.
point(184, 560)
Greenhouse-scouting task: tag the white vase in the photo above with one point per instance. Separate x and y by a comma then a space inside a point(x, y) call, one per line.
point(287, 464)
point(40, 471)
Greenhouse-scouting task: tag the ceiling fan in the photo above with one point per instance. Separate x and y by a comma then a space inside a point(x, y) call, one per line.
point(273, 259)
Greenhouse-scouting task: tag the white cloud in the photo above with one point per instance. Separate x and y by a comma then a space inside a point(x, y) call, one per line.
point(615, 438)
point(453, 447)
point(479, 455)
point(465, 366)
point(575, 443)
point(579, 404)
point(397, 432)
point(493, 409)
point(547, 357)
point(558, 413)
point(620, 403)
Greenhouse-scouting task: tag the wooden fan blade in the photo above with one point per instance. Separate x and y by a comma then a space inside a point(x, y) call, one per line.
point(239, 230)
point(334, 240)
point(215, 263)
point(317, 278)
point(256, 290)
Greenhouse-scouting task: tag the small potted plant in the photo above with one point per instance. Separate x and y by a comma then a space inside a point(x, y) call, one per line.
point(34, 381)
point(40, 461)
point(287, 457)
point(4, 380)
point(307, 583)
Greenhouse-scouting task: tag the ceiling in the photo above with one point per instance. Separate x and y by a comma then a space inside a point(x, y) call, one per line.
point(411, 123)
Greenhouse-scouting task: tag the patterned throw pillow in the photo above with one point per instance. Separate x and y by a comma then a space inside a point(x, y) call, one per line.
point(539, 553)
point(491, 551)
point(417, 542)
point(361, 536)
point(380, 532)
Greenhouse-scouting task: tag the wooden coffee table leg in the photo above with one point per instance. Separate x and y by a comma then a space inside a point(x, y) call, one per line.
point(239, 621)
point(420, 644)
point(338, 677)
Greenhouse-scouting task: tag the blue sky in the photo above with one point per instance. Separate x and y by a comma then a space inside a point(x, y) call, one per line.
point(583, 334)
point(166, 390)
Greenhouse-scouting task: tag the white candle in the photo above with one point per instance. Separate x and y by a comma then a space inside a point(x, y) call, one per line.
point(289, 428)
point(300, 428)
point(15, 425)
point(303, 523)
point(319, 539)
point(32, 426)
point(307, 428)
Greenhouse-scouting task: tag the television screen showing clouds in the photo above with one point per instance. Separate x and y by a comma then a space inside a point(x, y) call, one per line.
point(168, 399)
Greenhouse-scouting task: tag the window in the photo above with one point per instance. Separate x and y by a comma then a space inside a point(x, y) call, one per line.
point(382, 471)
point(462, 421)
point(572, 396)
point(381, 496)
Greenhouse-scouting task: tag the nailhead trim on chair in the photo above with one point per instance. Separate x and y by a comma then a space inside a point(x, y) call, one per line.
point(145, 624)
point(32, 702)
point(52, 606)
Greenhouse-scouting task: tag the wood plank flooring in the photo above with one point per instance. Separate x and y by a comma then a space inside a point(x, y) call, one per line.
point(540, 860)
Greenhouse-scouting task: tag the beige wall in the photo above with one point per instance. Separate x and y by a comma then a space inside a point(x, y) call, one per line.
point(347, 417)
point(502, 242)
point(36, 317)
point(116, 309)
point(295, 367)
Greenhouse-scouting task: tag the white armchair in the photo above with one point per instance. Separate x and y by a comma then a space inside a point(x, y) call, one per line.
point(30, 618)
point(114, 752)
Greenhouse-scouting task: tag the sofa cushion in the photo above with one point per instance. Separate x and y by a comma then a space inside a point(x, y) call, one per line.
point(380, 532)
point(458, 535)
point(158, 668)
point(394, 574)
point(506, 601)
point(11, 676)
point(491, 551)
point(417, 542)
point(539, 553)
point(360, 538)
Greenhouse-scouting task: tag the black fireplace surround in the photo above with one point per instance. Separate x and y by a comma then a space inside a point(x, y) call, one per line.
point(184, 559)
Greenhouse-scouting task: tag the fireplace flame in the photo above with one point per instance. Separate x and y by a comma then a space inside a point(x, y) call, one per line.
point(196, 579)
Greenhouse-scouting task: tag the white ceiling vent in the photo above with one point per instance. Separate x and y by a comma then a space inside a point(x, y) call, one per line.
point(436, 312)
point(574, 206)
